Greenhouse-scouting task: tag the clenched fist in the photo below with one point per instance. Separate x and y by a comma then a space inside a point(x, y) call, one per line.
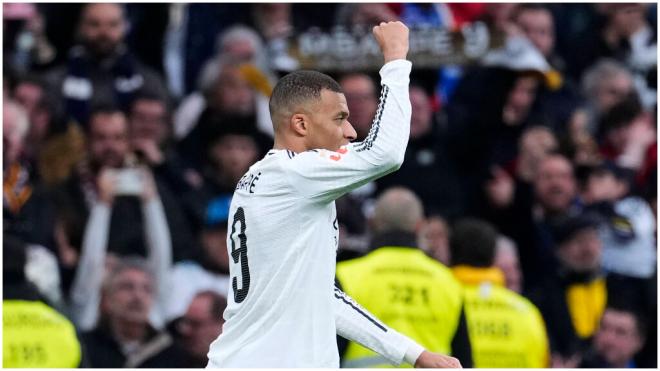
point(393, 40)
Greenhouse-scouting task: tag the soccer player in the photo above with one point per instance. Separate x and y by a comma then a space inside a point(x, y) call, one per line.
point(283, 308)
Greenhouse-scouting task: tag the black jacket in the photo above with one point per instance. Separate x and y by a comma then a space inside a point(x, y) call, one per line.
point(158, 351)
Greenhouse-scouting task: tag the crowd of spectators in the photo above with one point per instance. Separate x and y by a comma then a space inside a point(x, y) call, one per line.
point(527, 198)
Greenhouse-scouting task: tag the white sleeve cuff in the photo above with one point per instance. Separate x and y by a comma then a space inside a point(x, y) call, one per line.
point(396, 71)
point(413, 352)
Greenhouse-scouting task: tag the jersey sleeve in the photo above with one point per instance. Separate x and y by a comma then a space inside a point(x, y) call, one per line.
point(355, 323)
point(325, 175)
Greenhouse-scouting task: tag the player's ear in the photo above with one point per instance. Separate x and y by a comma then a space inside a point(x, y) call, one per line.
point(300, 124)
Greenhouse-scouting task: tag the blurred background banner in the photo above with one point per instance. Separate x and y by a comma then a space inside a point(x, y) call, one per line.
point(345, 49)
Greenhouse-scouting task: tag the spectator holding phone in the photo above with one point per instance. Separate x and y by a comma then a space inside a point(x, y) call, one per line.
point(75, 199)
point(95, 259)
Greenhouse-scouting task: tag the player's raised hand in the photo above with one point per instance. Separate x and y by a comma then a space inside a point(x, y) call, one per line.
point(393, 40)
point(433, 360)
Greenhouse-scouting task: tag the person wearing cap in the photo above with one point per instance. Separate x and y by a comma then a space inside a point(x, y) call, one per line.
point(629, 234)
point(573, 299)
point(629, 243)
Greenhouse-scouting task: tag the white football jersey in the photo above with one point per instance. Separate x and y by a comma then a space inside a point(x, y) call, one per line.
point(283, 309)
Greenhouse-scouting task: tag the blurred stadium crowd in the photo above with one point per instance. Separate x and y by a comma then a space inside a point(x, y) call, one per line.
point(519, 232)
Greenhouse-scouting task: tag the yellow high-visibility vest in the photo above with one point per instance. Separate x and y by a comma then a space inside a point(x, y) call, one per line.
point(506, 330)
point(407, 290)
point(35, 335)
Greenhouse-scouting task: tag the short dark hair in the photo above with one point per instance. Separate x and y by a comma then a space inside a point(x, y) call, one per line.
point(102, 109)
point(418, 83)
point(621, 114)
point(641, 322)
point(565, 229)
point(299, 87)
point(148, 96)
point(585, 172)
point(472, 243)
point(365, 75)
point(220, 125)
point(46, 100)
point(218, 303)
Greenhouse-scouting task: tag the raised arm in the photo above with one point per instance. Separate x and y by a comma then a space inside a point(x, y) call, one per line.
point(86, 287)
point(325, 175)
point(159, 245)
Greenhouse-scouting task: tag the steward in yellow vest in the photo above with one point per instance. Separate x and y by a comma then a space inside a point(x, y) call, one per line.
point(407, 290)
point(506, 330)
point(410, 292)
point(34, 335)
